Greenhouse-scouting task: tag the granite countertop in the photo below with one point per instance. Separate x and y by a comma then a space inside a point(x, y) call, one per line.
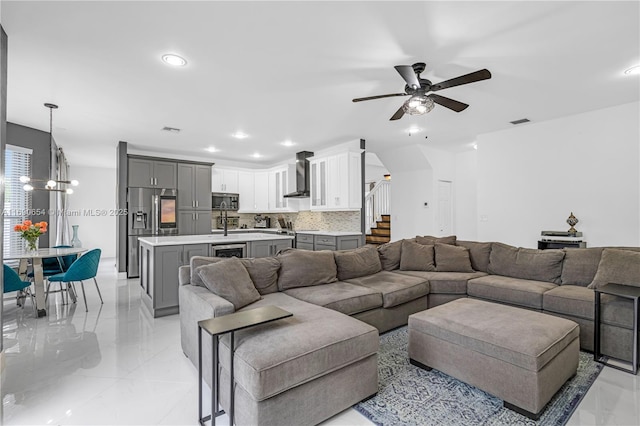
point(240, 230)
point(211, 239)
point(330, 233)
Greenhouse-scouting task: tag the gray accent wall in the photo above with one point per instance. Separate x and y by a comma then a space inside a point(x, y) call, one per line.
point(121, 201)
point(40, 143)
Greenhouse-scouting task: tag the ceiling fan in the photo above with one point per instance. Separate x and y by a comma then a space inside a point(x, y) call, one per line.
point(417, 88)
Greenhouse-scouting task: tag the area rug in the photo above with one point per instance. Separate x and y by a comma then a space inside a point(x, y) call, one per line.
point(408, 395)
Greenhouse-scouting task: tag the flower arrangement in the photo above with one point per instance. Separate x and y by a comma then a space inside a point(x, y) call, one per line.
point(31, 232)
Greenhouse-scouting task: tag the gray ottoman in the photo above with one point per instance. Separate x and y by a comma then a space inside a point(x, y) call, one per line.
point(520, 356)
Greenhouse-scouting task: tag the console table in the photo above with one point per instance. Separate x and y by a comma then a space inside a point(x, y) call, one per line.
point(216, 327)
point(628, 292)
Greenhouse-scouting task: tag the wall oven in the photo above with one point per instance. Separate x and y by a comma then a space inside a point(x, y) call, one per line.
point(229, 250)
point(231, 201)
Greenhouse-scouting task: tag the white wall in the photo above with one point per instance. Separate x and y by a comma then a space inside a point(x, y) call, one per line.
point(95, 195)
point(530, 178)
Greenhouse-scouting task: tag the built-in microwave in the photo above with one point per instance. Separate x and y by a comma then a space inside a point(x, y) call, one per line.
point(225, 201)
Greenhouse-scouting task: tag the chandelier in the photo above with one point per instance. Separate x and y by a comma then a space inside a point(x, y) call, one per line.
point(51, 184)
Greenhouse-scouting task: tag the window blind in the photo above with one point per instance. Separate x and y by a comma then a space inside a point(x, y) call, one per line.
point(17, 201)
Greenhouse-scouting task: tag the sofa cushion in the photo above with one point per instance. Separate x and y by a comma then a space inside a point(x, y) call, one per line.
point(528, 264)
point(451, 258)
point(416, 257)
point(304, 268)
point(390, 255)
point(578, 301)
point(445, 282)
point(272, 358)
point(230, 280)
point(580, 265)
point(396, 288)
point(357, 263)
point(514, 291)
point(618, 266)
point(195, 262)
point(263, 272)
point(340, 296)
point(430, 240)
point(478, 253)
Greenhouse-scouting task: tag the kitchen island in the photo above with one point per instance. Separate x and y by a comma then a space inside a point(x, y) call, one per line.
point(160, 258)
point(328, 240)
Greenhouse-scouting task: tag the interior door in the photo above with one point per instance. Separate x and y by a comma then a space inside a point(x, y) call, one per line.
point(445, 208)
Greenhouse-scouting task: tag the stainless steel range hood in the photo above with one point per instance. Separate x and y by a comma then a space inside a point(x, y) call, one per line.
point(302, 176)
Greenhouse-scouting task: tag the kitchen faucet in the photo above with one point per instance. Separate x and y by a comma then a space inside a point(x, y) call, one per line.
point(223, 206)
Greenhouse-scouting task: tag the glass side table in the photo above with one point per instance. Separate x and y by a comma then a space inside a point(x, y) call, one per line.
point(628, 292)
point(216, 327)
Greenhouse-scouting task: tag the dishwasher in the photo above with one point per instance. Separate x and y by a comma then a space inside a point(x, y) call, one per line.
point(229, 250)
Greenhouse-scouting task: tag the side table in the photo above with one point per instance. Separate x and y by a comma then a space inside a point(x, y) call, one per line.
point(215, 327)
point(628, 292)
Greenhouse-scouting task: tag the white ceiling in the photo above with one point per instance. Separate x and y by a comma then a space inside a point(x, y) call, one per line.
point(288, 70)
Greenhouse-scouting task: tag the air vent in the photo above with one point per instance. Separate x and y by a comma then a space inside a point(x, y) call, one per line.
point(170, 129)
point(522, 120)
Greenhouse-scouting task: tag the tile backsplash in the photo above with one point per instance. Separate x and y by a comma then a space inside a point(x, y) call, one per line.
point(305, 220)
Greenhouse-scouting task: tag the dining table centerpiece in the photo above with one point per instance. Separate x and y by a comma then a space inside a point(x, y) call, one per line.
point(31, 232)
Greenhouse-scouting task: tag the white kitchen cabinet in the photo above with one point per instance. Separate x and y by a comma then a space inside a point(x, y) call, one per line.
point(335, 182)
point(246, 191)
point(281, 182)
point(224, 180)
point(261, 197)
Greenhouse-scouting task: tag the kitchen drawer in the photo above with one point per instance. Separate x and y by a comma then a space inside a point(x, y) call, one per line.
point(324, 240)
point(318, 247)
point(304, 238)
point(304, 246)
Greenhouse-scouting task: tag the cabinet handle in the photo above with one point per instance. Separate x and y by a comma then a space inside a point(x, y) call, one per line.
point(196, 203)
point(151, 181)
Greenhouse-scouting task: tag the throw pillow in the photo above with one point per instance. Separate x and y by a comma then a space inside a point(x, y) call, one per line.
point(230, 280)
point(619, 267)
point(502, 259)
point(264, 273)
point(452, 258)
point(478, 253)
point(416, 257)
point(539, 265)
point(390, 255)
point(195, 262)
point(580, 265)
point(431, 240)
point(304, 268)
point(357, 263)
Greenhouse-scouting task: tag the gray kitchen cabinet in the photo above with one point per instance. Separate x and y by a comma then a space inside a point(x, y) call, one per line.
point(304, 241)
point(266, 248)
point(192, 222)
point(194, 187)
point(327, 241)
point(159, 274)
point(304, 246)
point(149, 173)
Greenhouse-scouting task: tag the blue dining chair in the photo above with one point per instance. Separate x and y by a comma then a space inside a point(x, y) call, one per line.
point(84, 268)
point(12, 282)
point(56, 265)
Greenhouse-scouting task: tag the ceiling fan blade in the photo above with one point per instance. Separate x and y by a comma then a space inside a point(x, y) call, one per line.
point(448, 102)
point(398, 115)
point(409, 75)
point(463, 79)
point(368, 98)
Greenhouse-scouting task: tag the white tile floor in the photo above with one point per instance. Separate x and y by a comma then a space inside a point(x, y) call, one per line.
point(116, 365)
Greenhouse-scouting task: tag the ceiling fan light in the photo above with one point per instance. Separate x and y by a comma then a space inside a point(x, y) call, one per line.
point(417, 105)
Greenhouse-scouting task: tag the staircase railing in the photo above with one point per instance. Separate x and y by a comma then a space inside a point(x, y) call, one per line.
point(376, 203)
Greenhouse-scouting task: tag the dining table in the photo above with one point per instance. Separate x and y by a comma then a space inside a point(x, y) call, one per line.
point(34, 258)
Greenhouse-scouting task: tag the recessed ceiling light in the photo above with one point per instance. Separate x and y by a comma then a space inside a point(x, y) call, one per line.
point(211, 149)
point(287, 143)
point(413, 130)
point(475, 146)
point(633, 70)
point(175, 60)
point(240, 135)
point(256, 155)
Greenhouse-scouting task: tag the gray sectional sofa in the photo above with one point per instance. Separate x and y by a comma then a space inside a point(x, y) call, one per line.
point(323, 359)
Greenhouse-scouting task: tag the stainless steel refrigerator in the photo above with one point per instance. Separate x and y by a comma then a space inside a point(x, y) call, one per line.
point(150, 212)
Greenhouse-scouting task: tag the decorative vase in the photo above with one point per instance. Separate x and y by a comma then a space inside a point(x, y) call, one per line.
point(572, 221)
point(31, 245)
point(75, 241)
